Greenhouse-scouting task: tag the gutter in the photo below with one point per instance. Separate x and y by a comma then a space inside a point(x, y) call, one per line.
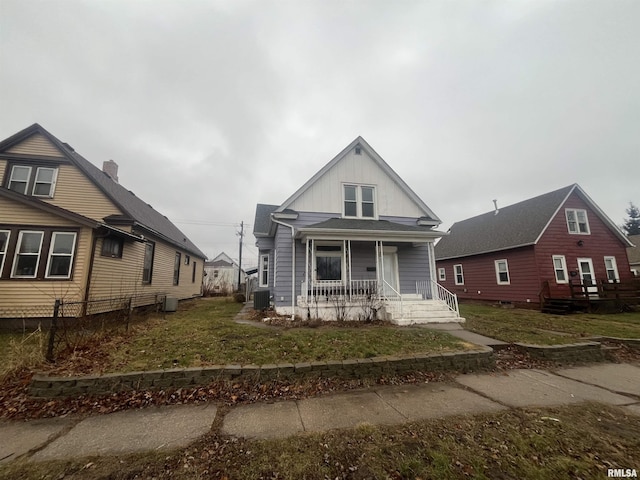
point(293, 264)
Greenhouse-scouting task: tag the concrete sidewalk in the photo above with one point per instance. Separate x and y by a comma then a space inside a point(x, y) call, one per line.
point(177, 426)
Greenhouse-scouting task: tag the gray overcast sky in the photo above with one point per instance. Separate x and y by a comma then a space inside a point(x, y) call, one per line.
point(212, 106)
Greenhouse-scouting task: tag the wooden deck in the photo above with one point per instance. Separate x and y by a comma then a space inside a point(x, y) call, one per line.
point(599, 297)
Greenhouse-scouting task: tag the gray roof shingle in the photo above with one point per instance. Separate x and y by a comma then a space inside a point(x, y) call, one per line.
point(517, 225)
point(262, 221)
point(368, 225)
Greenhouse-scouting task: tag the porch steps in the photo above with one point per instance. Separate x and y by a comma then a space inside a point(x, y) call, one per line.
point(557, 306)
point(416, 311)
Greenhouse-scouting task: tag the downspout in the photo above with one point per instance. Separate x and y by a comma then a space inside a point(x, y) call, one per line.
point(293, 265)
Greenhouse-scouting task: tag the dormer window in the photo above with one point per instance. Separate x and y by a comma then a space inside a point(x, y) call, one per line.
point(33, 180)
point(359, 201)
point(577, 221)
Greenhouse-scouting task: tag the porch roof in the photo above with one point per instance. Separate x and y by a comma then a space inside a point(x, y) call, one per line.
point(358, 229)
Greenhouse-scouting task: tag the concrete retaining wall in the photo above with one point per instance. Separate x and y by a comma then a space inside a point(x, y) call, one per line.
point(48, 387)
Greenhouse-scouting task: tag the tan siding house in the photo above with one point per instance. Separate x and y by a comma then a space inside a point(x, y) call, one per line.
point(70, 231)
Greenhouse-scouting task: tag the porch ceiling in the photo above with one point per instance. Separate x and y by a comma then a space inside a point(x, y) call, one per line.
point(367, 230)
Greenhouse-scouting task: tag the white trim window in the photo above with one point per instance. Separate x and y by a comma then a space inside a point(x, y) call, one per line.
point(45, 182)
point(442, 274)
point(560, 269)
point(4, 245)
point(359, 201)
point(60, 260)
point(328, 260)
point(577, 221)
point(264, 270)
point(611, 266)
point(27, 256)
point(502, 272)
point(458, 274)
point(19, 180)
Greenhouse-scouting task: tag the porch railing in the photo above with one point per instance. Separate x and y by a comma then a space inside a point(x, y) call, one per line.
point(430, 289)
point(325, 290)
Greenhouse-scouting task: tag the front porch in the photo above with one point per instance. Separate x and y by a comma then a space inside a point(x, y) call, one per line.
point(396, 287)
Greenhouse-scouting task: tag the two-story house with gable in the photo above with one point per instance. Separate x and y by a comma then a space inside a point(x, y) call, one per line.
point(534, 251)
point(353, 242)
point(70, 231)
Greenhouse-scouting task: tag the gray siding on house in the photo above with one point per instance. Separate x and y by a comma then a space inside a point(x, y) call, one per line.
point(413, 265)
point(282, 288)
point(363, 256)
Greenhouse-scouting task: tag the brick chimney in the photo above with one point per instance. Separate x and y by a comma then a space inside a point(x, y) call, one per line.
point(111, 168)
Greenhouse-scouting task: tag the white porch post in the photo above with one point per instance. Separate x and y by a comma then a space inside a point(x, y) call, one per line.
point(348, 242)
point(306, 273)
point(432, 271)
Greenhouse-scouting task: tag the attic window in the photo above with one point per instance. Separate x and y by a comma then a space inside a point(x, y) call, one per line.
point(577, 221)
point(37, 180)
point(358, 150)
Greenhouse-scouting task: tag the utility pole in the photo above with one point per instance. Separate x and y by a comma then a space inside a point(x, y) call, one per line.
point(241, 234)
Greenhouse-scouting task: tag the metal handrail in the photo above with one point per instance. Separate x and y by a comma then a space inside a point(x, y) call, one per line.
point(397, 296)
point(425, 287)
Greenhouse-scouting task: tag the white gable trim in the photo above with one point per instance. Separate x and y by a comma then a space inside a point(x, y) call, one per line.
point(603, 216)
point(376, 158)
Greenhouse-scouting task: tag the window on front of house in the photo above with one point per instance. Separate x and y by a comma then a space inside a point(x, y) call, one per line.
point(359, 201)
point(264, 270)
point(111, 247)
point(612, 269)
point(442, 274)
point(36, 181)
point(4, 244)
point(27, 256)
point(328, 262)
point(577, 221)
point(560, 269)
point(458, 274)
point(61, 255)
point(502, 272)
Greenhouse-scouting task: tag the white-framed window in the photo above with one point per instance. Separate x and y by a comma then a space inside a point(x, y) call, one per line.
point(176, 268)
point(458, 274)
point(442, 274)
point(502, 272)
point(560, 269)
point(359, 201)
point(61, 252)
point(44, 182)
point(611, 266)
point(147, 266)
point(577, 221)
point(329, 259)
point(264, 270)
point(19, 180)
point(36, 181)
point(27, 256)
point(4, 244)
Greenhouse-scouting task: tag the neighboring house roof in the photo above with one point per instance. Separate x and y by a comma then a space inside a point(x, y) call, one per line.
point(222, 260)
point(136, 210)
point(428, 213)
point(633, 253)
point(517, 225)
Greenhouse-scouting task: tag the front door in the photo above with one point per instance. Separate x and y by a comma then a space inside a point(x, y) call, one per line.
point(390, 270)
point(585, 266)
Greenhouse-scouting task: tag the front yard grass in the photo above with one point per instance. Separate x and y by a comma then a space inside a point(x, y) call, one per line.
point(204, 333)
point(576, 441)
point(531, 326)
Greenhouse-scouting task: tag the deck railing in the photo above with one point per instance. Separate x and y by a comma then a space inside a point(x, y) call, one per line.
point(428, 289)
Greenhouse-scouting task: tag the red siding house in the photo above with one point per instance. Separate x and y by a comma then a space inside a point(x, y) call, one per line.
point(534, 250)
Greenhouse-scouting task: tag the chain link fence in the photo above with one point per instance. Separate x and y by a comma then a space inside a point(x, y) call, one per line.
point(74, 324)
